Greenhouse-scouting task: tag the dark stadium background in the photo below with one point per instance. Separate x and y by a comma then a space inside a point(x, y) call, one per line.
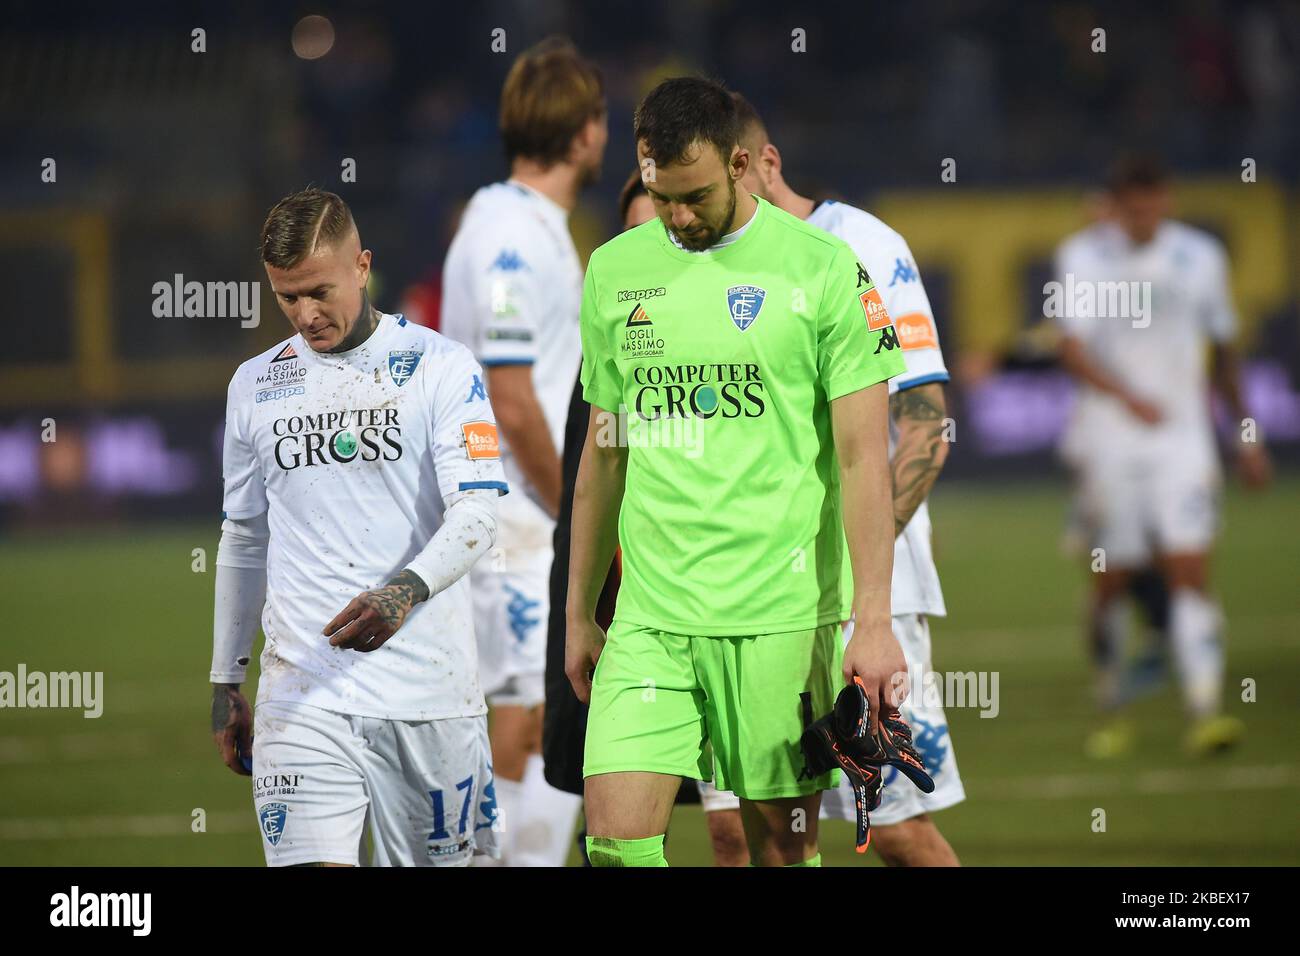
point(167, 160)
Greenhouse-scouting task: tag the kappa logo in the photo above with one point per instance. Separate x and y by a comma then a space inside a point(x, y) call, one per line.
point(273, 817)
point(476, 391)
point(863, 277)
point(402, 363)
point(888, 340)
point(874, 307)
point(625, 294)
point(903, 272)
point(481, 440)
point(508, 260)
point(275, 394)
point(288, 352)
point(744, 303)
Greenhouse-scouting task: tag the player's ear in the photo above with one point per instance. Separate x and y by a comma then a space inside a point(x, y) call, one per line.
point(739, 164)
point(363, 268)
point(769, 159)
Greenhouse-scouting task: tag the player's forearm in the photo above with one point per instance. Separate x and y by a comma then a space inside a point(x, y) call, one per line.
point(860, 423)
point(597, 498)
point(520, 418)
point(921, 451)
point(1227, 380)
point(240, 595)
point(1075, 361)
point(468, 532)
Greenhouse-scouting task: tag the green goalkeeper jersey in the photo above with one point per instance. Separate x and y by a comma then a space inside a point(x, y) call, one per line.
point(725, 363)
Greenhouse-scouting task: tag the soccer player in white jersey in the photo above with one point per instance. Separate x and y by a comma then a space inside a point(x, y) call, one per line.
point(1141, 299)
point(902, 829)
point(512, 286)
point(361, 470)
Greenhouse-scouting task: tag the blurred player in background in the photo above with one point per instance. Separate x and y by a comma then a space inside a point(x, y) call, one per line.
point(512, 284)
point(902, 828)
point(1143, 296)
point(729, 313)
point(1146, 671)
point(361, 474)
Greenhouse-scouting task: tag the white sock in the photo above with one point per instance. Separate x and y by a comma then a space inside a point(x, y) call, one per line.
point(1194, 625)
point(540, 832)
point(1110, 648)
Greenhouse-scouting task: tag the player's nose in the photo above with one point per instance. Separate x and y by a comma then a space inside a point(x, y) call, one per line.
point(682, 216)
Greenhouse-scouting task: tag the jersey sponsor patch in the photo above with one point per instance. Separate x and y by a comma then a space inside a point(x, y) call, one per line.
point(481, 440)
point(874, 307)
point(916, 331)
point(288, 352)
point(744, 303)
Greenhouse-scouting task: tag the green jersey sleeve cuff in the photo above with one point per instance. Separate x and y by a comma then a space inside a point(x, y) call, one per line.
point(865, 378)
point(594, 395)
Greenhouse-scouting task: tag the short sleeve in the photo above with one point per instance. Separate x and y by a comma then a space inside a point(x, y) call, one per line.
point(857, 345)
point(602, 383)
point(466, 446)
point(506, 296)
point(1077, 319)
point(243, 487)
point(1218, 314)
point(909, 309)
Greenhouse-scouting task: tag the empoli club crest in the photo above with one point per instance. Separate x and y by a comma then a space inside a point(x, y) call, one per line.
point(272, 816)
point(744, 301)
point(401, 365)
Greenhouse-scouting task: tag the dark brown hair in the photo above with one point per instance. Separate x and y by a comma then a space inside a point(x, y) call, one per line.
point(631, 189)
point(750, 125)
point(683, 111)
point(1137, 172)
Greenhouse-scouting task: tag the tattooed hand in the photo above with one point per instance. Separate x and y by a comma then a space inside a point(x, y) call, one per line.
point(372, 617)
point(232, 728)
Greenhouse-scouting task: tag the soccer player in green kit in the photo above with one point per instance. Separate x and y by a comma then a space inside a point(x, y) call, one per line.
point(765, 339)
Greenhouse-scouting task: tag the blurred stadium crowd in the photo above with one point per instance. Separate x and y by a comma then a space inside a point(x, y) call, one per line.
point(167, 159)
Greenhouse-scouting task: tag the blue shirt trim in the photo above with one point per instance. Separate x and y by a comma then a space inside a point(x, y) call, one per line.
point(923, 380)
point(516, 360)
point(500, 486)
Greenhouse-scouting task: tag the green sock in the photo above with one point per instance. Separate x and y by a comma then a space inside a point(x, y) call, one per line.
point(609, 851)
point(811, 861)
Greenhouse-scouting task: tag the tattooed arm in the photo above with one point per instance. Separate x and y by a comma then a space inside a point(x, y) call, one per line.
point(468, 531)
point(918, 414)
point(240, 594)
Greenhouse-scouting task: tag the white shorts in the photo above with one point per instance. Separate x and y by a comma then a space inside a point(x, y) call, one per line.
point(512, 604)
point(424, 787)
point(900, 800)
point(1139, 507)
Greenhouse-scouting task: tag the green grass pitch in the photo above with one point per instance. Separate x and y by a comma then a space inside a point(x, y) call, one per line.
point(132, 786)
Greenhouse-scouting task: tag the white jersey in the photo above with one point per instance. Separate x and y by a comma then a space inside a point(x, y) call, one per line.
point(512, 287)
point(1145, 315)
point(889, 262)
point(352, 455)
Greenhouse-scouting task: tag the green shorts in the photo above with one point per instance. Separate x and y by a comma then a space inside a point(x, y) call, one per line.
point(659, 700)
